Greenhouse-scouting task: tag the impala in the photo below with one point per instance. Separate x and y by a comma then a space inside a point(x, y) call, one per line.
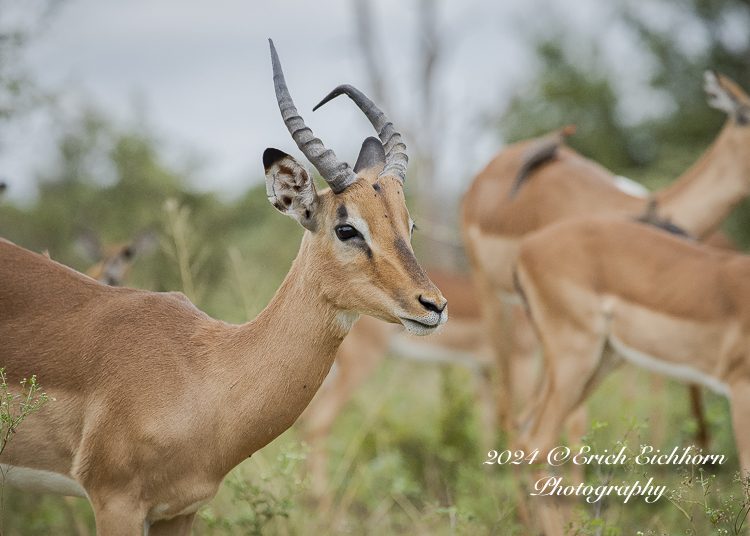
point(155, 401)
point(603, 290)
point(115, 260)
point(558, 183)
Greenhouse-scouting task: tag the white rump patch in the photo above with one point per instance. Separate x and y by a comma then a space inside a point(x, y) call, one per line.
point(680, 372)
point(630, 187)
point(37, 481)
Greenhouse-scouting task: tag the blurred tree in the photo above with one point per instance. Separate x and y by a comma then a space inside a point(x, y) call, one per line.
point(19, 24)
point(113, 181)
point(703, 35)
point(678, 41)
point(565, 91)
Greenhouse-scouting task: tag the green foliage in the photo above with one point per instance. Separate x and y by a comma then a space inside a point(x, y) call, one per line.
point(185, 249)
point(726, 512)
point(458, 439)
point(14, 408)
point(262, 500)
point(589, 518)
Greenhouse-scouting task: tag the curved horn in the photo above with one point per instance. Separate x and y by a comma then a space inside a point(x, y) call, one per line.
point(337, 174)
point(395, 149)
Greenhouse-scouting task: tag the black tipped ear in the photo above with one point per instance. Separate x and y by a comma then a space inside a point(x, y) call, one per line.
point(371, 155)
point(271, 156)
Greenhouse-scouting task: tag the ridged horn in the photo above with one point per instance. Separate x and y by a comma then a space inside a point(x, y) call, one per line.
point(337, 174)
point(395, 149)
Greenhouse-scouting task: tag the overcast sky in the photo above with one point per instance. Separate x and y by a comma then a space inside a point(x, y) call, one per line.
point(202, 69)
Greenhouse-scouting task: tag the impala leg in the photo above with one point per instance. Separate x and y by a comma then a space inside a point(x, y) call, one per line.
point(696, 408)
point(657, 386)
point(740, 400)
point(177, 526)
point(499, 324)
point(115, 516)
point(571, 377)
point(486, 405)
point(575, 365)
point(525, 361)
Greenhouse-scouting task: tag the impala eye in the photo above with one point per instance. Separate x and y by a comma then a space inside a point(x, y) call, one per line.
point(345, 232)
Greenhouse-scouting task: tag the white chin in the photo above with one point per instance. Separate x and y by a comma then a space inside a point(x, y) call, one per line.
point(417, 328)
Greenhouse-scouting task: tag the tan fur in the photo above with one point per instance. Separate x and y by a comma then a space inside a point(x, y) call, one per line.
point(600, 290)
point(570, 185)
point(155, 401)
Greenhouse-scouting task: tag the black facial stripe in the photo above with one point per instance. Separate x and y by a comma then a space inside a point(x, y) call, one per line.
point(409, 260)
point(341, 212)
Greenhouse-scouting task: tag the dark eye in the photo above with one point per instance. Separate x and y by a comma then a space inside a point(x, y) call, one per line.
point(345, 232)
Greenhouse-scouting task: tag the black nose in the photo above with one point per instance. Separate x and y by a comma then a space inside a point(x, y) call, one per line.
point(432, 306)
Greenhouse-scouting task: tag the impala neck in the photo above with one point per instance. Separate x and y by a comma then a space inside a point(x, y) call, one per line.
point(284, 355)
point(719, 180)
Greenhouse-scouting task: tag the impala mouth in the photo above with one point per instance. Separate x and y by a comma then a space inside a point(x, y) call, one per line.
point(424, 326)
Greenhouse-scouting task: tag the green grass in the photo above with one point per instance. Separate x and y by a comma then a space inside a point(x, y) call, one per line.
point(410, 462)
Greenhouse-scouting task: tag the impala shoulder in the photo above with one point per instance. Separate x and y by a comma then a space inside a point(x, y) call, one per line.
point(179, 298)
point(136, 303)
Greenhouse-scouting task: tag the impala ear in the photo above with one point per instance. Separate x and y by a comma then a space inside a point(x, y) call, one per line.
point(727, 96)
point(290, 187)
point(371, 159)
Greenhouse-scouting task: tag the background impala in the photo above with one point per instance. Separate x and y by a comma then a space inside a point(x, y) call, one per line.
point(603, 291)
point(532, 184)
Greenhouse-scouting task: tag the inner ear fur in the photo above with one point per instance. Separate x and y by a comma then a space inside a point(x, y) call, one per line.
point(290, 187)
